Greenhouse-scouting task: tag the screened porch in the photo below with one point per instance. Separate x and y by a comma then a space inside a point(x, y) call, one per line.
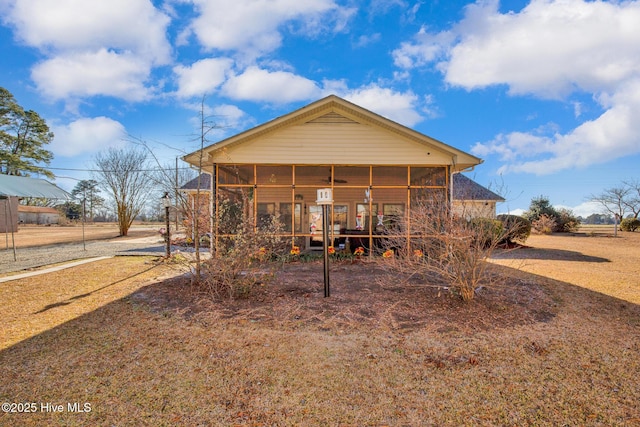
point(370, 202)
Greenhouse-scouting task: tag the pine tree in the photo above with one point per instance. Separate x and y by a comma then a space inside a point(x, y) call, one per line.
point(23, 134)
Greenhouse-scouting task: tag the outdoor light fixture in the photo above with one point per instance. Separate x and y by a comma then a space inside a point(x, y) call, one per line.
point(166, 202)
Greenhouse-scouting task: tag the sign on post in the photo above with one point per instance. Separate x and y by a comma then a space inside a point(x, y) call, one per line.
point(324, 199)
point(324, 196)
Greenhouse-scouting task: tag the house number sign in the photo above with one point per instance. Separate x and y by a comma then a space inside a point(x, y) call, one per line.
point(324, 196)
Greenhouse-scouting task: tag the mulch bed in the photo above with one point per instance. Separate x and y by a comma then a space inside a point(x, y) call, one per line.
point(363, 295)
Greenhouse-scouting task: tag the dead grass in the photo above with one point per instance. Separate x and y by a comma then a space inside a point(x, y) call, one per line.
point(40, 235)
point(536, 350)
point(601, 263)
point(36, 304)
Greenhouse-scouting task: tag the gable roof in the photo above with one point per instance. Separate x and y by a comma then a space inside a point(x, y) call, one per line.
point(21, 186)
point(465, 188)
point(333, 110)
point(205, 183)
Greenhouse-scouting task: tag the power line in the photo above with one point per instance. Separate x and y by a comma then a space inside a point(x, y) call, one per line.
point(100, 170)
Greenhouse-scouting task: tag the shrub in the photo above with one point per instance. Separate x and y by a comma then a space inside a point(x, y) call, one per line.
point(240, 262)
point(444, 247)
point(541, 212)
point(486, 230)
point(516, 228)
point(544, 224)
point(629, 224)
point(566, 221)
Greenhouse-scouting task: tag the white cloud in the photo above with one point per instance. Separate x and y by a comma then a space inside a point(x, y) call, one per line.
point(93, 73)
point(367, 39)
point(92, 48)
point(584, 209)
point(278, 87)
point(502, 210)
point(254, 26)
point(612, 135)
point(549, 49)
point(87, 135)
point(229, 115)
point(129, 25)
point(424, 48)
point(398, 106)
point(203, 76)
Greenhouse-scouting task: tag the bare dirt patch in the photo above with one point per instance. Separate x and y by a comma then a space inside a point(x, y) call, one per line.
point(363, 296)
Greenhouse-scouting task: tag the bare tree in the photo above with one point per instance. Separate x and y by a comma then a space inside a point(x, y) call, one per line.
point(123, 173)
point(618, 200)
point(206, 126)
point(632, 202)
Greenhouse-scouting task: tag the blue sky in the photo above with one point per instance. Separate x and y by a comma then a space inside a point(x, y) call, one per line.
point(547, 92)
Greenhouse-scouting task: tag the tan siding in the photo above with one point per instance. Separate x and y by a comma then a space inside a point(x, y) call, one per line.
point(323, 143)
point(474, 209)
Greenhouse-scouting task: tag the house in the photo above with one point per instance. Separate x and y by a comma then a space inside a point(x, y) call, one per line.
point(472, 200)
point(37, 215)
point(375, 168)
point(197, 201)
point(13, 188)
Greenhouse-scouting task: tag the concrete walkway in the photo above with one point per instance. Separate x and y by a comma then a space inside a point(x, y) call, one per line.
point(51, 269)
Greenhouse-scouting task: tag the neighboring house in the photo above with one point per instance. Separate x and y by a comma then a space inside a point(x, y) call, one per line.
point(192, 206)
point(375, 168)
point(37, 215)
point(13, 188)
point(472, 200)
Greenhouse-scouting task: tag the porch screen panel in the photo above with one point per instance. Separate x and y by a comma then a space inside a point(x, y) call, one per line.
point(318, 176)
point(350, 176)
point(274, 175)
point(390, 176)
point(427, 205)
point(291, 217)
point(235, 175)
point(265, 215)
point(392, 205)
point(234, 206)
point(428, 176)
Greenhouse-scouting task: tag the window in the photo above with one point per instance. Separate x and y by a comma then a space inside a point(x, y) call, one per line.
point(286, 217)
point(393, 213)
point(363, 216)
point(265, 214)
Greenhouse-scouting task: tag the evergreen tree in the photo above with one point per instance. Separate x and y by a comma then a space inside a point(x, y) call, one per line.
point(23, 134)
point(87, 190)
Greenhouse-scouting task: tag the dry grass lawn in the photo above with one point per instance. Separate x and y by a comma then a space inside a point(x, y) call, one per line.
point(39, 235)
point(557, 343)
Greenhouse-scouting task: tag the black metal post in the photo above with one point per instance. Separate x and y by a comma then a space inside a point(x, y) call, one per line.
point(325, 239)
point(167, 235)
point(84, 242)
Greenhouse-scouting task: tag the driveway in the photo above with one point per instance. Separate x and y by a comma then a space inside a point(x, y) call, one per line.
point(35, 257)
